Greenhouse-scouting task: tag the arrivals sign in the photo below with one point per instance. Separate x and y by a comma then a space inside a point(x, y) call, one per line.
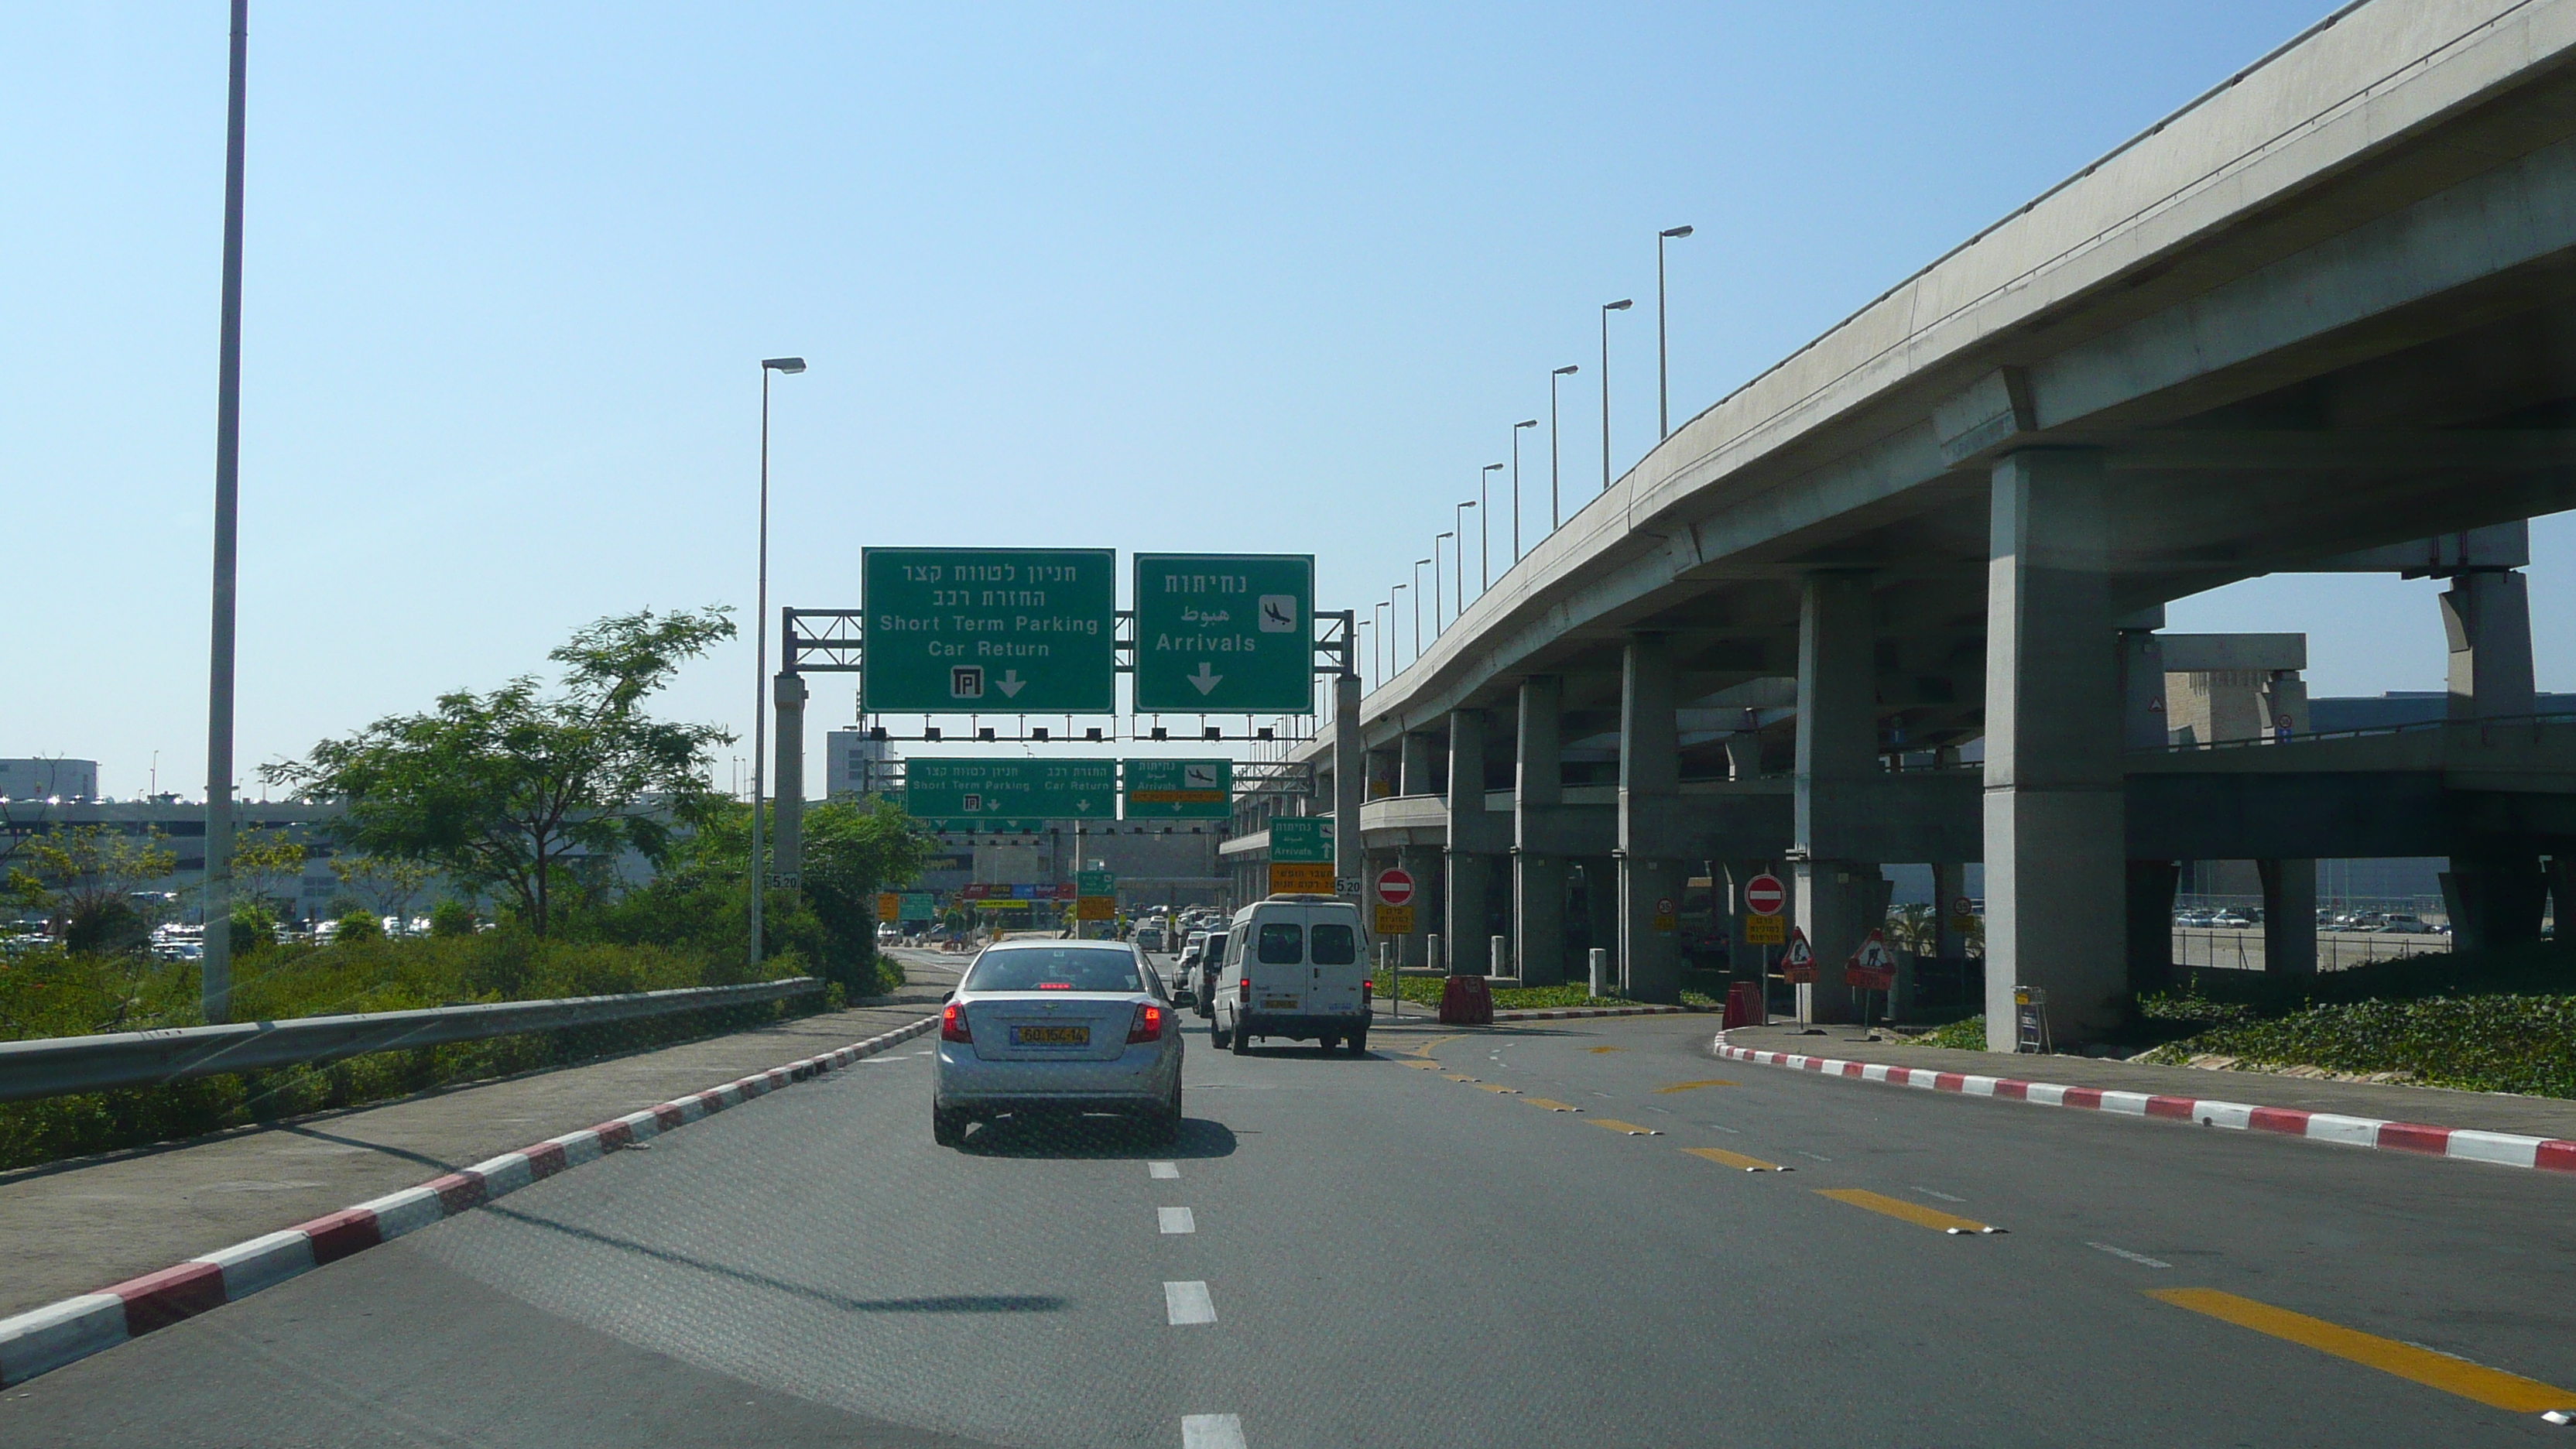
point(1222, 633)
point(1303, 839)
point(1095, 883)
point(917, 906)
point(973, 794)
point(989, 630)
point(1179, 789)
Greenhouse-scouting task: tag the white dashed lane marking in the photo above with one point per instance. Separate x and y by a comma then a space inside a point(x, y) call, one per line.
point(2141, 1259)
point(1162, 1169)
point(1945, 1197)
point(1176, 1220)
point(1188, 1303)
point(1211, 1431)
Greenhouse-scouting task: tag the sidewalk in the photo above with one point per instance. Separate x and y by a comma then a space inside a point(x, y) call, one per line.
point(73, 1227)
point(2479, 1111)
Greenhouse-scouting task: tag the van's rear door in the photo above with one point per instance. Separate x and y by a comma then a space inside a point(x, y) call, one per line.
point(1336, 961)
point(1275, 961)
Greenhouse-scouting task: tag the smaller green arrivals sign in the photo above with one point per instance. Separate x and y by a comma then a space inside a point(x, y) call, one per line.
point(1179, 789)
point(1095, 883)
point(1301, 840)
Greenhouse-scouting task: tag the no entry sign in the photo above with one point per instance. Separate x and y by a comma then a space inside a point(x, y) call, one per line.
point(1395, 886)
point(1764, 895)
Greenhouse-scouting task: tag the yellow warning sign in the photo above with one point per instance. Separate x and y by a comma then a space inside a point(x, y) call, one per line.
point(1395, 920)
point(1292, 876)
point(889, 907)
point(1766, 930)
point(1094, 908)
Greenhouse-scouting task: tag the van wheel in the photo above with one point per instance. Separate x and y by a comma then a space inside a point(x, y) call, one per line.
point(1242, 1041)
point(1326, 1044)
point(1359, 1043)
point(1218, 1036)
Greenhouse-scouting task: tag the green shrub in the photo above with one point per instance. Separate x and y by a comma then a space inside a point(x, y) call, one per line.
point(2498, 1043)
point(358, 926)
point(450, 919)
point(254, 928)
point(1967, 1035)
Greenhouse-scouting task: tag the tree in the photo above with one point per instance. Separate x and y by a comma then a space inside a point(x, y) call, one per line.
point(263, 860)
point(387, 882)
point(88, 874)
point(504, 791)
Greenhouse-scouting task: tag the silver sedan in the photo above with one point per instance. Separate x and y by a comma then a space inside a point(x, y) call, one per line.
point(1056, 1027)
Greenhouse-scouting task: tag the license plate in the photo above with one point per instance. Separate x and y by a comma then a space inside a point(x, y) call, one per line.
point(1050, 1036)
point(1281, 1003)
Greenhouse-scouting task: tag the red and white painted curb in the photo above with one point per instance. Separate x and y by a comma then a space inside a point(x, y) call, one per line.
point(1573, 1011)
point(2504, 1149)
point(58, 1333)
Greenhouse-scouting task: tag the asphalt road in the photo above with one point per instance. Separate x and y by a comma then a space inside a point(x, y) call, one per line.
point(1380, 1254)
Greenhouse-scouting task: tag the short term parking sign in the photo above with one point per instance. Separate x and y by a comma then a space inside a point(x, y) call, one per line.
point(990, 630)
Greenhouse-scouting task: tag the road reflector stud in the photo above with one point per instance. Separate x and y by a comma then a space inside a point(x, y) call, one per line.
point(1725, 1158)
point(2558, 1416)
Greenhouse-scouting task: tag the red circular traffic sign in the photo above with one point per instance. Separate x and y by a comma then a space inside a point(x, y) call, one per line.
point(1963, 907)
point(1395, 885)
point(1764, 895)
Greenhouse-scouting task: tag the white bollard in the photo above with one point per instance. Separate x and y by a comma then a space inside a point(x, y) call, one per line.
point(1600, 971)
point(1431, 951)
point(1498, 959)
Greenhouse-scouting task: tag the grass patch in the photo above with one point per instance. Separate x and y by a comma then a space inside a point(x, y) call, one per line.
point(2492, 1043)
point(1968, 1035)
point(49, 994)
point(1426, 990)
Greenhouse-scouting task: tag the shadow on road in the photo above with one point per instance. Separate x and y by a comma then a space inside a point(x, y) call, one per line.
point(1095, 1137)
point(958, 1303)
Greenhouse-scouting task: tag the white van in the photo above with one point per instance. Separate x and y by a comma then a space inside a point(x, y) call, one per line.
point(1294, 966)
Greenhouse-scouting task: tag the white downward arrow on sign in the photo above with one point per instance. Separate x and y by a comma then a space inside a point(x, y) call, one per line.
point(1204, 680)
point(1009, 684)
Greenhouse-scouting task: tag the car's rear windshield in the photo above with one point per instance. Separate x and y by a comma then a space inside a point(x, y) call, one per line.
point(1055, 968)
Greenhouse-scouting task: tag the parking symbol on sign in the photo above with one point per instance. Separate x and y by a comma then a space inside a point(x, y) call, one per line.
point(966, 681)
point(974, 803)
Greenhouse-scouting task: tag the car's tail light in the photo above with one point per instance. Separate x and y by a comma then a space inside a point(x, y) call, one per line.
point(1243, 988)
point(1148, 1025)
point(952, 1023)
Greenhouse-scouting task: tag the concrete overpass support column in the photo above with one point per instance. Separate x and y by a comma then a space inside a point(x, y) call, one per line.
point(1350, 782)
point(2056, 888)
point(1413, 777)
point(1538, 879)
point(2289, 917)
point(1650, 782)
point(1413, 766)
point(2487, 617)
point(1949, 887)
point(2494, 900)
point(1840, 901)
point(2150, 928)
point(787, 859)
point(1470, 944)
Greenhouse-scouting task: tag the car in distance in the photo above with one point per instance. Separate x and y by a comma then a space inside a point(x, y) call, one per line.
point(1293, 966)
point(1042, 1027)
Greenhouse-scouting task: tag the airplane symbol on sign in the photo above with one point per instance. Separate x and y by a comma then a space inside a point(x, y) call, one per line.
point(1278, 613)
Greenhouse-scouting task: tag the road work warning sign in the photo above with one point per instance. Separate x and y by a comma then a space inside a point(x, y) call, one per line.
point(1872, 967)
point(1799, 965)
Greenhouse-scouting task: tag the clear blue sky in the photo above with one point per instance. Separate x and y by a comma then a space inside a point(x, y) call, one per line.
point(1185, 277)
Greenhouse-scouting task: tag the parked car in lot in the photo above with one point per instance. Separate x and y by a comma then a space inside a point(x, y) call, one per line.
point(1293, 966)
point(1042, 1027)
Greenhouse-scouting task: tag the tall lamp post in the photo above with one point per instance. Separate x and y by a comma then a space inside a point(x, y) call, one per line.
point(215, 972)
point(760, 653)
point(1484, 535)
point(1555, 515)
point(1385, 640)
point(1516, 486)
point(1458, 559)
point(1370, 624)
point(1622, 305)
point(1663, 371)
point(1437, 623)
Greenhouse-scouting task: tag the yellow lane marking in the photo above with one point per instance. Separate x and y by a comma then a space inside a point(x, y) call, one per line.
point(1490, 1087)
point(1551, 1104)
point(1914, 1213)
point(1424, 1049)
point(1615, 1125)
point(1453, 1076)
point(2492, 1387)
point(1692, 1086)
point(1736, 1159)
point(1426, 1066)
point(1596, 1051)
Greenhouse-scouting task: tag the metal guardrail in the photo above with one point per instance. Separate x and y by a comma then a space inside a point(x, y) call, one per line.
point(59, 1066)
point(2422, 726)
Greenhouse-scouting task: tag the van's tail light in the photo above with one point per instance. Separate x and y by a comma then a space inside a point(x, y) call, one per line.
point(952, 1023)
point(1368, 991)
point(1148, 1025)
point(1243, 988)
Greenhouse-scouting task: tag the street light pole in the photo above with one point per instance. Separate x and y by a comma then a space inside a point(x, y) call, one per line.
point(1663, 372)
point(760, 654)
point(215, 971)
point(1516, 486)
point(1484, 535)
point(1555, 516)
point(1458, 551)
point(1437, 623)
point(1622, 305)
point(1385, 640)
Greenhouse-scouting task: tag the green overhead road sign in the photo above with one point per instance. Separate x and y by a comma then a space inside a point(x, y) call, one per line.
point(989, 630)
point(1301, 840)
point(1224, 633)
point(1095, 883)
point(916, 906)
point(981, 794)
point(1179, 789)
